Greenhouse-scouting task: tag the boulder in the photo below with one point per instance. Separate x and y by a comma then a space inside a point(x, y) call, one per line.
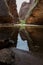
point(7, 57)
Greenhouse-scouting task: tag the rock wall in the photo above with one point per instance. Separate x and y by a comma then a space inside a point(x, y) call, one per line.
point(37, 14)
point(13, 10)
point(24, 9)
point(36, 17)
point(36, 33)
point(8, 11)
point(7, 57)
point(8, 14)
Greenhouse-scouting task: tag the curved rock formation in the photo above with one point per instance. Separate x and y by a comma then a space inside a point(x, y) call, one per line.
point(7, 57)
point(24, 9)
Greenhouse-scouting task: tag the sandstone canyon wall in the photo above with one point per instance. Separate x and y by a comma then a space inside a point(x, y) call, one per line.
point(36, 18)
point(8, 14)
point(36, 32)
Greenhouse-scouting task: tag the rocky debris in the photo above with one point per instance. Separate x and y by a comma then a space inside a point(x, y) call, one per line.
point(7, 57)
point(8, 11)
point(13, 56)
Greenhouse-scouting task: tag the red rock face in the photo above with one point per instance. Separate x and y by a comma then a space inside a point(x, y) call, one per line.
point(37, 14)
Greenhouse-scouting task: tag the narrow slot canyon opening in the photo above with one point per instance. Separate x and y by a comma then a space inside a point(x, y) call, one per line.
point(21, 44)
point(19, 3)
